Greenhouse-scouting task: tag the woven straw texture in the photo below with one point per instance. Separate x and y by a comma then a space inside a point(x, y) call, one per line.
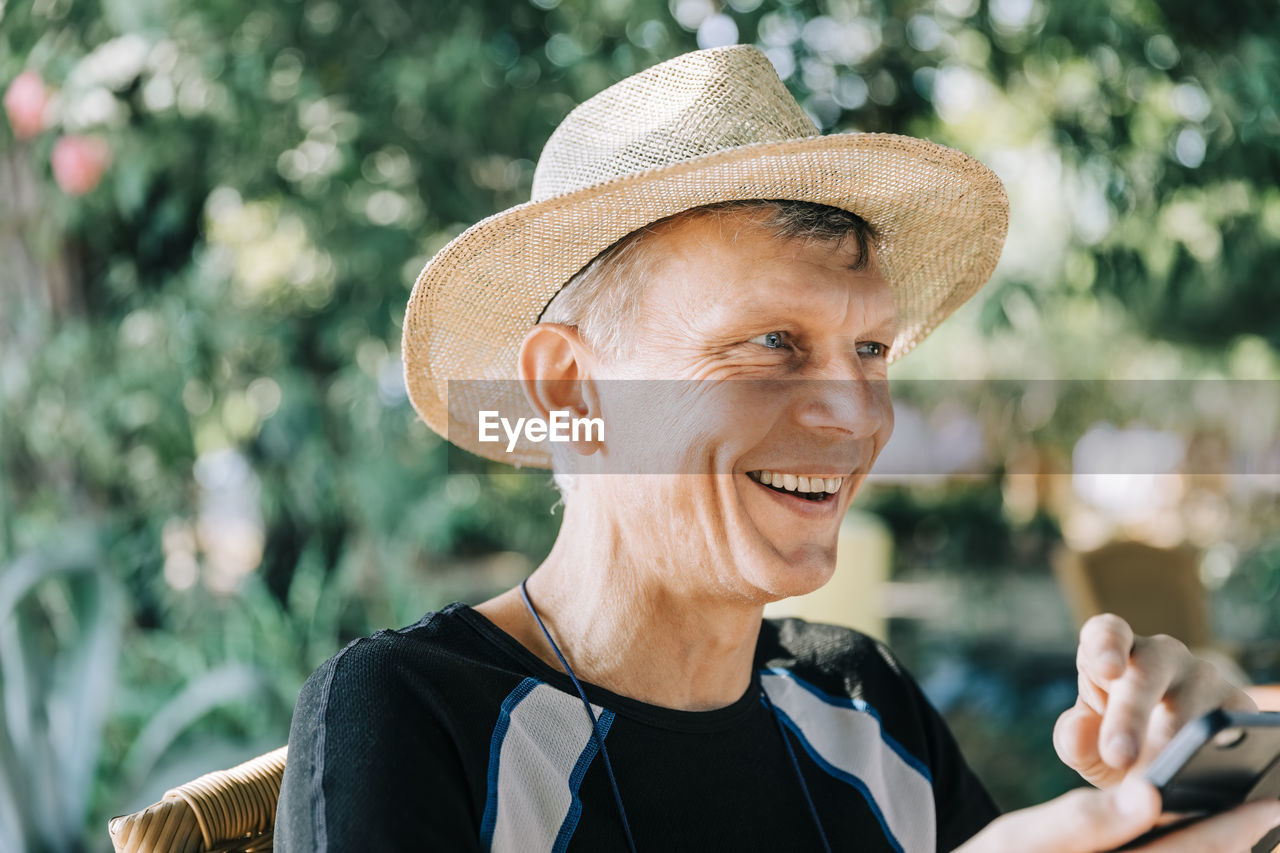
point(709, 126)
point(224, 811)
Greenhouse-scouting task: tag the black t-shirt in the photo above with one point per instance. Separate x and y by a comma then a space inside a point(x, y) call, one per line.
point(450, 735)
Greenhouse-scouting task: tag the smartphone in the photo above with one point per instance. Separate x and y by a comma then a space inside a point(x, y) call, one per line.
point(1220, 761)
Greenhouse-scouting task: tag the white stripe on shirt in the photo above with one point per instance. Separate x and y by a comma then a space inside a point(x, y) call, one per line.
point(546, 733)
point(845, 738)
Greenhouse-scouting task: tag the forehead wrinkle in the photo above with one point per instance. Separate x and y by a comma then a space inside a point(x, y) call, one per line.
point(721, 248)
point(860, 301)
point(820, 296)
point(847, 312)
point(859, 294)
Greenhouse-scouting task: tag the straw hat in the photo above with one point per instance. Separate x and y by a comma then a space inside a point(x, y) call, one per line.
point(709, 126)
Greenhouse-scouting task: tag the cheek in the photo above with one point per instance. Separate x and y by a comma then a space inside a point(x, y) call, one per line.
point(636, 414)
point(687, 427)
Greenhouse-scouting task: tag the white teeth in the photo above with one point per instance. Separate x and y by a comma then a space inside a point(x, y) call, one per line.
point(798, 483)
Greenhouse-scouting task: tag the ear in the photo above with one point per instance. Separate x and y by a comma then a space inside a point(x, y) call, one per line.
point(555, 366)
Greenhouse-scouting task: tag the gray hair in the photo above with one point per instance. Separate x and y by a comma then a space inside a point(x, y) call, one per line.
point(603, 299)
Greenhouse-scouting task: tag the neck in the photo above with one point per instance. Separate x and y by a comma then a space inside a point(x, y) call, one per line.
point(629, 620)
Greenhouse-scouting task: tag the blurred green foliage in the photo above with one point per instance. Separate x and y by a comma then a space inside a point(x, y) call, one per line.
point(199, 360)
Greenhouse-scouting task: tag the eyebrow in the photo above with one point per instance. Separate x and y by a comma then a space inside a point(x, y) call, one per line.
point(752, 315)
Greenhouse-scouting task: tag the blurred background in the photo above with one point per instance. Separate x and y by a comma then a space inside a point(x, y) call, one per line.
point(211, 215)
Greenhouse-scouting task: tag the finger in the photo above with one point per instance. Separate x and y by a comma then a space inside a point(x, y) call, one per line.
point(1153, 666)
point(1075, 739)
point(1197, 691)
point(1091, 693)
point(1240, 700)
point(1080, 821)
point(1106, 641)
point(1231, 832)
point(1202, 688)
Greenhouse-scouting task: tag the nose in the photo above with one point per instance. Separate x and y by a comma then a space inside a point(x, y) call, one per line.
point(846, 398)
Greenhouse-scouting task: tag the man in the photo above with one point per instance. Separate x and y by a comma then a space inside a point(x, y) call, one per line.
point(723, 289)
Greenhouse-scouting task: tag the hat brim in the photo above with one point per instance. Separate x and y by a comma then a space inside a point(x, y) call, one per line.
point(941, 218)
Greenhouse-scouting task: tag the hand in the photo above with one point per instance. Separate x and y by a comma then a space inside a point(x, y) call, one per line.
point(1135, 694)
point(1090, 821)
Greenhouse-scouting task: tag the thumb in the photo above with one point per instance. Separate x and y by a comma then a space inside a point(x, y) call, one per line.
point(1081, 821)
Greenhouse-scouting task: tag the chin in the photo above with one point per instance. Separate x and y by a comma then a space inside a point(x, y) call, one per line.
point(799, 571)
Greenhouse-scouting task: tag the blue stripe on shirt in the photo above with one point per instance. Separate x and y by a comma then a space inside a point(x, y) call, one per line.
point(514, 698)
point(575, 781)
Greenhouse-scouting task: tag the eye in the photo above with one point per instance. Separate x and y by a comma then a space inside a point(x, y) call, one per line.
point(772, 340)
point(873, 349)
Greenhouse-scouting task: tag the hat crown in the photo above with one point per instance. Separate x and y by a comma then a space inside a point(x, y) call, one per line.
point(687, 107)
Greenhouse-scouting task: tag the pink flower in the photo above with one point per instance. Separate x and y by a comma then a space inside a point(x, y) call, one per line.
point(78, 163)
point(25, 102)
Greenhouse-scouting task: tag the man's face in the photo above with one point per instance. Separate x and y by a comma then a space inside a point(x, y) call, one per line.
point(780, 352)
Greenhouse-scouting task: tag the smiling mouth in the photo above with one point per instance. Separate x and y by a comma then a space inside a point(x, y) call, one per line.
point(801, 486)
